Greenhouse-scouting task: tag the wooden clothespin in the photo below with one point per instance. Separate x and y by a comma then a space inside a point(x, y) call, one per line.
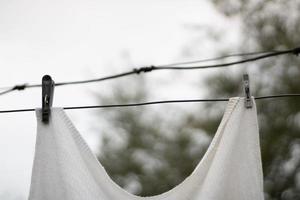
point(47, 97)
point(248, 101)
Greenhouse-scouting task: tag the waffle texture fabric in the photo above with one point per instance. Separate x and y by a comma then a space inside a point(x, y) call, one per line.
point(66, 169)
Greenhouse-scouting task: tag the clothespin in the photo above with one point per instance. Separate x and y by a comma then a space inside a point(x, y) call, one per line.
point(47, 97)
point(248, 101)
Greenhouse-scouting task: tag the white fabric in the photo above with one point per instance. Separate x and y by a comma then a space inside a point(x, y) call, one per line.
point(66, 169)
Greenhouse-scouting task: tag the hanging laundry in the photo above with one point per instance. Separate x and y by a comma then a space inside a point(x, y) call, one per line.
point(66, 169)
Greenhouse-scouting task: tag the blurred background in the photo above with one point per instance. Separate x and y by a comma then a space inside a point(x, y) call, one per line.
point(149, 150)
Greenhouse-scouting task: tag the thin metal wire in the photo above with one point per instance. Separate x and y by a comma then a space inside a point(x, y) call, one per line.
point(227, 64)
point(16, 87)
point(18, 110)
point(7, 91)
point(155, 102)
point(172, 66)
point(277, 96)
point(218, 58)
point(137, 71)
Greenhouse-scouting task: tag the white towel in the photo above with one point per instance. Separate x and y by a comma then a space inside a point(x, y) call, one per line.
point(66, 169)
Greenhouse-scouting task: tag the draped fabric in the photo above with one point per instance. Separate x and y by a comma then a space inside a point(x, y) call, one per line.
point(66, 169)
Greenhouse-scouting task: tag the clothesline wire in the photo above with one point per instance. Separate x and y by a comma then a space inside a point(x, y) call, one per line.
point(276, 53)
point(154, 102)
point(172, 66)
point(7, 91)
point(124, 74)
point(220, 58)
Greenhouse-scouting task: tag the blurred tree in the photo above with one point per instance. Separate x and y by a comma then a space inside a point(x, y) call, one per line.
point(270, 25)
point(152, 155)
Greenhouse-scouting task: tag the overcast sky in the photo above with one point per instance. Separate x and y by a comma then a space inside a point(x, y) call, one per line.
point(82, 39)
